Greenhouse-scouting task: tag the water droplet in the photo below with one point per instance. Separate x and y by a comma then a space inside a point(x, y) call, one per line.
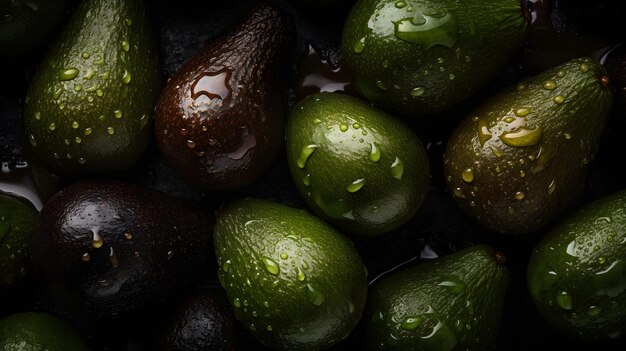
point(375, 153)
point(560, 74)
point(191, 144)
point(31, 139)
point(118, 114)
point(306, 180)
point(397, 169)
point(269, 328)
point(520, 195)
point(301, 276)
point(115, 263)
point(284, 255)
point(522, 112)
point(226, 266)
point(237, 302)
point(522, 137)
point(451, 76)
point(429, 31)
point(468, 175)
point(359, 46)
point(86, 257)
point(419, 91)
point(126, 77)
point(78, 140)
point(343, 127)
point(125, 45)
point(594, 310)
point(88, 131)
point(52, 126)
point(78, 87)
point(564, 300)
point(85, 55)
point(559, 99)
point(484, 133)
point(99, 92)
point(400, 4)
point(567, 136)
point(68, 74)
point(453, 285)
point(305, 154)
point(214, 85)
point(314, 296)
point(458, 193)
point(356, 185)
point(271, 265)
point(110, 130)
point(411, 323)
point(584, 67)
point(549, 85)
point(96, 240)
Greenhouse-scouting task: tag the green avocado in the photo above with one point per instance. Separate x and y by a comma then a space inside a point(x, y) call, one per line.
point(418, 57)
point(17, 221)
point(577, 273)
point(294, 281)
point(451, 303)
point(356, 166)
point(521, 158)
point(38, 332)
point(89, 106)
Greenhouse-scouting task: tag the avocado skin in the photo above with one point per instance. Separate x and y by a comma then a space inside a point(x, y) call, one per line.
point(315, 297)
point(151, 244)
point(38, 331)
point(24, 25)
point(17, 220)
point(387, 199)
point(584, 256)
point(203, 320)
point(519, 187)
point(99, 120)
point(220, 119)
point(438, 67)
point(443, 318)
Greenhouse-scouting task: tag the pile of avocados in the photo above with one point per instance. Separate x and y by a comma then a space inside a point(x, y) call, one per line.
point(312, 175)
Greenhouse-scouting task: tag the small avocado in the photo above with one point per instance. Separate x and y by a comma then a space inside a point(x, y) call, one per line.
point(24, 25)
point(203, 320)
point(357, 166)
point(521, 158)
point(17, 220)
point(38, 332)
point(577, 273)
point(451, 303)
point(220, 119)
point(120, 247)
point(415, 57)
point(294, 281)
point(89, 105)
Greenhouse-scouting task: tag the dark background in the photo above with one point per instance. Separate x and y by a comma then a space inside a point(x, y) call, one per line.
point(572, 28)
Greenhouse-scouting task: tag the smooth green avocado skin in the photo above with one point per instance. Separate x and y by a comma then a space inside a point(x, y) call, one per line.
point(38, 332)
point(17, 220)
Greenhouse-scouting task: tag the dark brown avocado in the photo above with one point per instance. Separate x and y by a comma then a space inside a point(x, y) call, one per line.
point(220, 119)
point(120, 247)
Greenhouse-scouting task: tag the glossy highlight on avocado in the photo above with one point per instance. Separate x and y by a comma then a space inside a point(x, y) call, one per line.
point(294, 281)
point(89, 105)
point(577, 273)
point(521, 158)
point(355, 165)
point(419, 57)
point(450, 303)
point(118, 247)
point(220, 119)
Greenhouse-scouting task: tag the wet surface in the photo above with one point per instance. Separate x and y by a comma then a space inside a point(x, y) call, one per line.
point(561, 30)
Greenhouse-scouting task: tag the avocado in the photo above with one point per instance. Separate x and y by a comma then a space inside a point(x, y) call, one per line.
point(204, 320)
point(577, 273)
point(220, 119)
point(38, 331)
point(415, 57)
point(450, 303)
point(25, 24)
point(120, 247)
point(356, 166)
point(294, 281)
point(520, 159)
point(89, 105)
point(17, 220)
